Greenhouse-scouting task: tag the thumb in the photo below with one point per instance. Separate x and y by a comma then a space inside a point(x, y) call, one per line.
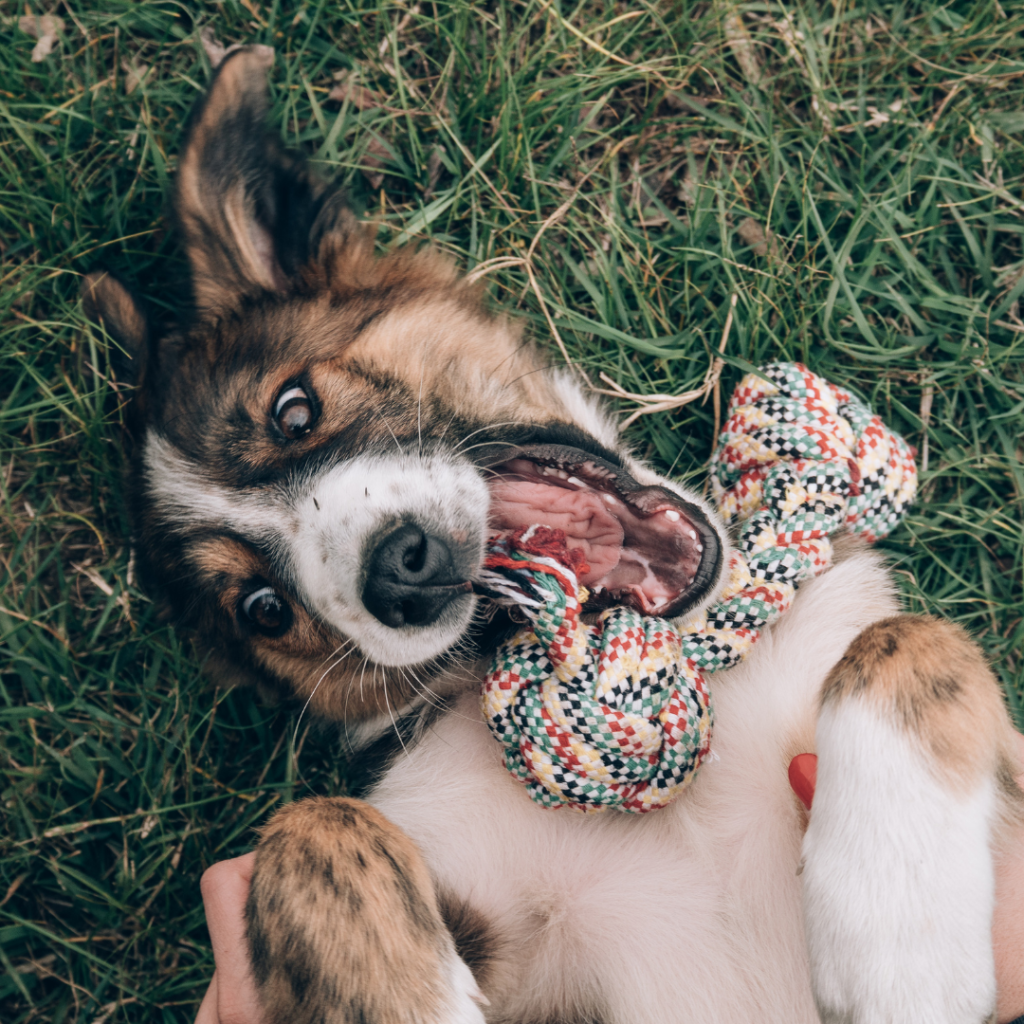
point(803, 772)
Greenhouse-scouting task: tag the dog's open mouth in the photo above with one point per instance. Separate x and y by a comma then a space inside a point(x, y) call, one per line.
point(646, 547)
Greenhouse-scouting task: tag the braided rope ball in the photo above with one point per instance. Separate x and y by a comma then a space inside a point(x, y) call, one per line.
point(618, 714)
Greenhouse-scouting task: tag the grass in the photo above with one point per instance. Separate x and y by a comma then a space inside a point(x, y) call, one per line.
point(853, 174)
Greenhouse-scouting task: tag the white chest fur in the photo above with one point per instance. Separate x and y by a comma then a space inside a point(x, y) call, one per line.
point(692, 912)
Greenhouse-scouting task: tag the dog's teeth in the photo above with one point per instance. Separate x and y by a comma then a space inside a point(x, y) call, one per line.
point(575, 480)
point(700, 547)
point(672, 515)
point(693, 534)
point(609, 498)
point(562, 475)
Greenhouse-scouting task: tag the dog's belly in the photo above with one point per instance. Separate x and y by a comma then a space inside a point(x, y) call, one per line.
point(692, 912)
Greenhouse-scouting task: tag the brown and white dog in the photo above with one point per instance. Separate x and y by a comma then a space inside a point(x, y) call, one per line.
point(321, 451)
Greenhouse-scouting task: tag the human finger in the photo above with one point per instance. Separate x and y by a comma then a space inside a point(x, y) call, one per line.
point(208, 1007)
point(225, 888)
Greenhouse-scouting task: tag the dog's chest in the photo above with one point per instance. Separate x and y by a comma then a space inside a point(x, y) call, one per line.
point(696, 905)
point(574, 904)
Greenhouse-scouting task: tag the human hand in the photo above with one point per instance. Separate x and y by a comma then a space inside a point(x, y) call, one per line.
point(1008, 915)
point(231, 997)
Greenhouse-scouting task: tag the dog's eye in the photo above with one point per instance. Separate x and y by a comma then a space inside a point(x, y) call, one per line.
point(293, 412)
point(266, 611)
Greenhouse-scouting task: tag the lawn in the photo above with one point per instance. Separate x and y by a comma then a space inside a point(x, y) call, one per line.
point(851, 174)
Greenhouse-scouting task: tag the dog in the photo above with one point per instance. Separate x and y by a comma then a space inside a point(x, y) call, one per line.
point(321, 449)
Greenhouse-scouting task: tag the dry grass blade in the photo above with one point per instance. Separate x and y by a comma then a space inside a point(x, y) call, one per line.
point(742, 46)
point(45, 29)
point(348, 90)
point(664, 403)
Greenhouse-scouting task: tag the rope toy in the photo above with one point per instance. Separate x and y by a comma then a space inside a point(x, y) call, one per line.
point(618, 714)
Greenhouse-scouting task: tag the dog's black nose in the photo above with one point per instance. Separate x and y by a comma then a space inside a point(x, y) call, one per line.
point(412, 576)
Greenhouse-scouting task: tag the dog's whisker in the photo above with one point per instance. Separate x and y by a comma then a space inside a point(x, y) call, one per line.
point(420, 688)
point(482, 444)
point(387, 704)
point(362, 675)
point(523, 376)
point(524, 344)
point(327, 672)
point(419, 415)
point(444, 429)
point(490, 426)
point(337, 650)
point(384, 420)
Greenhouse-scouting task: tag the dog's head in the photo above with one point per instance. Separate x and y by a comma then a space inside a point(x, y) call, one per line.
point(326, 443)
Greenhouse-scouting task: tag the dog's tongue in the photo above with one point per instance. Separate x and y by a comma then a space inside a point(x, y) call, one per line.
point(581, 515)
point(641, 544)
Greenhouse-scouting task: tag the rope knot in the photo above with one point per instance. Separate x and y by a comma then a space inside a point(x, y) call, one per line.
point(600, 715)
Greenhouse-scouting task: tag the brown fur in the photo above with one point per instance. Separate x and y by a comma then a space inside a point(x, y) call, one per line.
point(342, 919)
point(372, 399)
point(575, 1018)
point(227, 248)
point(105, 300)
point(474, 938)
point(930, 675)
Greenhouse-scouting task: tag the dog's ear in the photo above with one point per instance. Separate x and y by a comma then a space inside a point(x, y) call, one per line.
point(249, 213)
point(109, 302)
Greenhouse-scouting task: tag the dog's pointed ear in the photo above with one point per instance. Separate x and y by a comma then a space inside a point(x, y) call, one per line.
point(109, 302)
point(221, 185)
point(246, 209)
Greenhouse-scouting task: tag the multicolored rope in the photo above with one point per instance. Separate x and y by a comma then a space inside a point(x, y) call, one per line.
point(618, 714)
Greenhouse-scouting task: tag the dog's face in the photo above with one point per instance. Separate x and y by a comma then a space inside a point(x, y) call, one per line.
point(324, 448)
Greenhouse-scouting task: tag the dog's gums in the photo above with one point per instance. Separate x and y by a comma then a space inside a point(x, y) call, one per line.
point(645, 546)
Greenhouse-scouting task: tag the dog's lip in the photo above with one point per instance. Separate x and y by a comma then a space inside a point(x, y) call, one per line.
point(642, 501)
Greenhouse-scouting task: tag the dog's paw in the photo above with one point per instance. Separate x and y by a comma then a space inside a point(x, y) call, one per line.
point(344, 927)
point(898, 882)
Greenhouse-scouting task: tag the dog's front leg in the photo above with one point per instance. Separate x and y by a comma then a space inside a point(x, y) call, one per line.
point(343, 924)
point(914, 777)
